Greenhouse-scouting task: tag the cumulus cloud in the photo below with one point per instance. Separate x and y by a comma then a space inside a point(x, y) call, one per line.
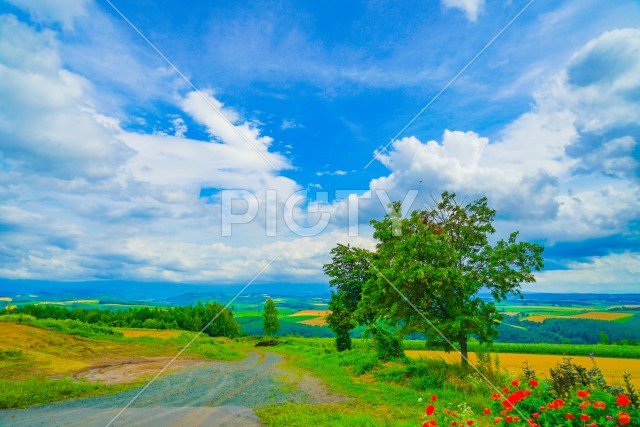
point(471, 8)
point(567, 169)
point(84, 198)
point(47, 122)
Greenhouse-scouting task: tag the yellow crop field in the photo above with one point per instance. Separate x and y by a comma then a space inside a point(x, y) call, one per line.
point(596, 315)
point(318, 321)
point(136, 333)
point(7, 299)
point(611, 367)
point(319, 313)
point(84, 301)
point(602, 315)
point(44, 352)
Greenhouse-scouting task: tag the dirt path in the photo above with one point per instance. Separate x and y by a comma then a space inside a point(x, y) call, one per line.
point(208, 393)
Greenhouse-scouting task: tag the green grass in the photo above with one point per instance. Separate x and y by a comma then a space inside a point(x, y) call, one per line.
point(599, 350)
point(380, 394)
point(25, 393)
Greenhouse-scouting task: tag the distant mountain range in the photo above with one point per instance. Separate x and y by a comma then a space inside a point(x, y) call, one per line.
point(186, 294)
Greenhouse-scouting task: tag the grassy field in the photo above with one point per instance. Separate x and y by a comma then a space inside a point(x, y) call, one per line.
point(40, 358)
point(380, 393)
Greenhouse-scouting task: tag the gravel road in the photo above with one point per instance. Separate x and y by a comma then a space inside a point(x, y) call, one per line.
point(211, 394)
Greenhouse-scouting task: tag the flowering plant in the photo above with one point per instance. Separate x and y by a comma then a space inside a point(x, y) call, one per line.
point(536, 403)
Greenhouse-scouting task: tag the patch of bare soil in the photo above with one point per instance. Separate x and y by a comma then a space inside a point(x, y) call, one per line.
point(313, 387)
point(318, 391)
point(130, 370)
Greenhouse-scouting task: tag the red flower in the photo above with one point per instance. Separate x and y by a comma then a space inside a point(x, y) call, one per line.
point(515, 383)
point(534, 383)
point(622, 400)
point(558, 403)
point(584, 417)
point(508, 418)
point(599, 405)
point(535, 415)
point(624, 418)
point(487, 411)
point(569, 416)
point(516, 397)
point(469, 422)
point(434, 398)
point(507, 404)
point(543, 408)
point(495, 396)
point(505, 390)
point(583, 393)
point(430, 409)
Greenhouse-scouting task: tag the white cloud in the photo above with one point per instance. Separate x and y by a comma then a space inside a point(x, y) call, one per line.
point(82, 198)
point(290, 124)
point(613, 273)
point(64, 12)
point(179, 127)
point(47, 121)
point(221, 124)
point(338, 172)
point(471, 8)
point(565, 170)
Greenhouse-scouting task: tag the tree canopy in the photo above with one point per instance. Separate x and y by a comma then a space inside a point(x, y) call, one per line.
point(271, 322)
point(428, 269)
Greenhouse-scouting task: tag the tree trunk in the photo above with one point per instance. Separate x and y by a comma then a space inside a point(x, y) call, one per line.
point(464, 351)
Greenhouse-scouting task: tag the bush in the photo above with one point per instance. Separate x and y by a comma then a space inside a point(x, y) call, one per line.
point(343, 340)
point(388, 346)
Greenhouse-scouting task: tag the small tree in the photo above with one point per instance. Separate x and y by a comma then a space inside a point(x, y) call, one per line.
point(439, 259)
point(271, 322)
point(349, 270)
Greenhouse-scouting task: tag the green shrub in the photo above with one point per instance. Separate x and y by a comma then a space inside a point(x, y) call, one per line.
point(388, 345)
point(343, 340)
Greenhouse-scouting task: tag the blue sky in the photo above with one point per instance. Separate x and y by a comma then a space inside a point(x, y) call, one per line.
point(113, 167)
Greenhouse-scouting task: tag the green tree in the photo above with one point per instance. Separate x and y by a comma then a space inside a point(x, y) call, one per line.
point(271, 322)
point(438, 260)
point(224, 324)
point(349, 270)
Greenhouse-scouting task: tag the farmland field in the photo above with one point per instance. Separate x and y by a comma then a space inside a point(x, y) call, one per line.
point(311, 313)
point(595, 315)
point(611, 367)
point(136, 333)
point(312, 317)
